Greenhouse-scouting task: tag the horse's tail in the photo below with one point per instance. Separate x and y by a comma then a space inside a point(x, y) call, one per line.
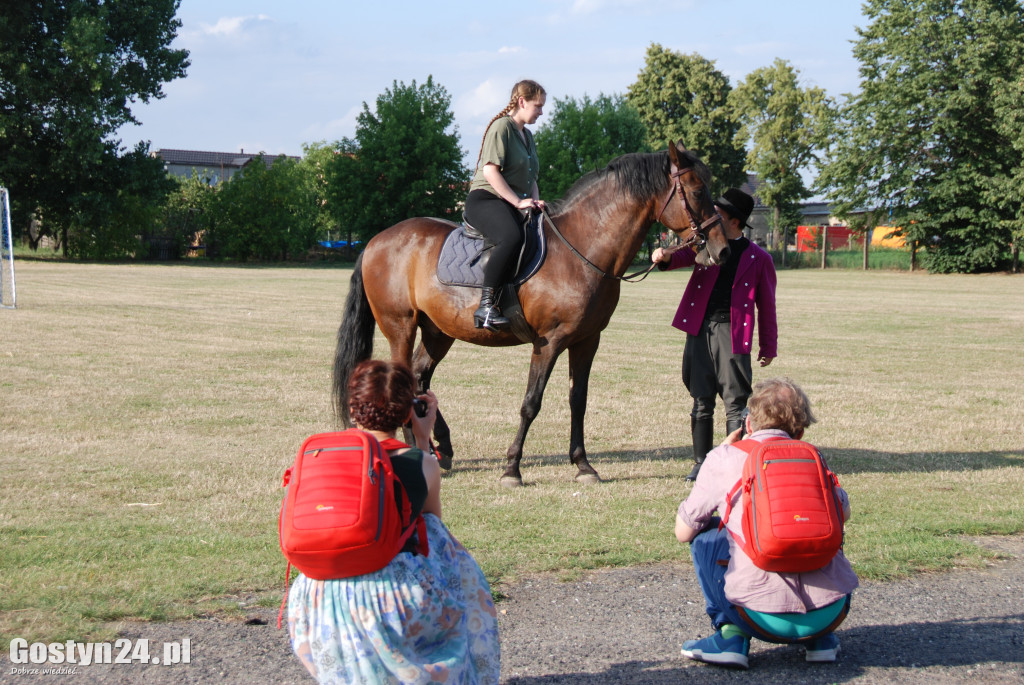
point(355, 341)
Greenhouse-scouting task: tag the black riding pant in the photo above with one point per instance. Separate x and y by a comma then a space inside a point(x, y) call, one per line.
point(710, 368)
point(502, 225)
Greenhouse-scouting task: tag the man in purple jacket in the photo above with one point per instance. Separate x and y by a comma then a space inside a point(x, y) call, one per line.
point(717, 315)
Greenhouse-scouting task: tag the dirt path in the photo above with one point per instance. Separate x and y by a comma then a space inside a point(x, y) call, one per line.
point(626, 625)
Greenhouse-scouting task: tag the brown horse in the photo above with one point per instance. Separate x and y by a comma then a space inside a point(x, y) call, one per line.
point(604, 217)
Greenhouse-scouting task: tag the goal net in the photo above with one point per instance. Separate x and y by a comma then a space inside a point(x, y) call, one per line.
point(7, 291)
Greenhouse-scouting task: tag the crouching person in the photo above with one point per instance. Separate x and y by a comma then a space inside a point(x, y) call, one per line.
point(742, 599)
point(422, 617)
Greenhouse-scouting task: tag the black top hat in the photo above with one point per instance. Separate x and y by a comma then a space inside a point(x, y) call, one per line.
point(738, 204)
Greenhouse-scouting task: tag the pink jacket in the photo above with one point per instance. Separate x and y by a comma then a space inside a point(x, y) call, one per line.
point(754, 286)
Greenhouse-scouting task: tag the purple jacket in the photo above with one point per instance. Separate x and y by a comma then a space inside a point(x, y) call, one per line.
point(754, 286)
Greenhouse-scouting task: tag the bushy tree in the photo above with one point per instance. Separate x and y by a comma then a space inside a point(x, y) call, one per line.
point(118, 221)
point(785, 127)
point(69, 70)
point(923, 141)
point(685, 98)
point(405, 161)
point(186, 212)
point(264, 212)
point(581, 136)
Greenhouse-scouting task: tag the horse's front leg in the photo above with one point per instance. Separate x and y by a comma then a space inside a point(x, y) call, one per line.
point(581, 358)
point(541, 364)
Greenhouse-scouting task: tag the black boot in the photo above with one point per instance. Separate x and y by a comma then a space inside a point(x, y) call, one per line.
point(488, 316)
point(703, 431)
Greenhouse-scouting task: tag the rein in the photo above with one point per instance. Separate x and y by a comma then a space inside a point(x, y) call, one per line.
point(630, 278)
point(698, 233)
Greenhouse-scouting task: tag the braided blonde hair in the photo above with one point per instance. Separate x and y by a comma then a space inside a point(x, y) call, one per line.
point(526, 89)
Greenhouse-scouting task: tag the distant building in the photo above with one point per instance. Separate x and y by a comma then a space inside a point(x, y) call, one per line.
point(214, 166)
point(814, 213)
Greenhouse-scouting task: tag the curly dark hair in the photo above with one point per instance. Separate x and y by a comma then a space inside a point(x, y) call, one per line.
point(380, 394)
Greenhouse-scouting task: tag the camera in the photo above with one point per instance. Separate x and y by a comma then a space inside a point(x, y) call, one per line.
point(419, 406)
point(743, 422)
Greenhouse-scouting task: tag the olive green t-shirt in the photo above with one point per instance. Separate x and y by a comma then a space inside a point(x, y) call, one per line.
point(516, 160)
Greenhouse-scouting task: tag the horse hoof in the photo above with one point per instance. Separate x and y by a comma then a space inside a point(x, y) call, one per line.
point(587, 478)
point(444, 461)
point(511, 482)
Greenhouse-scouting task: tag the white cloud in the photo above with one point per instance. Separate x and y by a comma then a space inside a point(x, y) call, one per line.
point(510, 50)
point(335, 129)
point(486, 99)
point(232, 27)
point(644, 6)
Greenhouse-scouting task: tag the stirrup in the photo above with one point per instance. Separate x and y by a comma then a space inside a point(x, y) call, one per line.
point(492, 320)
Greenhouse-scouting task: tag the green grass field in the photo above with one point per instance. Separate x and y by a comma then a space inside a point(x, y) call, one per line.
point(149, 412)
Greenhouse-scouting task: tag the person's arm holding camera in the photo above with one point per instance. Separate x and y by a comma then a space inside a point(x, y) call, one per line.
point(422, 427)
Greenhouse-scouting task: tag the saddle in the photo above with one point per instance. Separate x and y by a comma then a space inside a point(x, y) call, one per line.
point(460, 262)
point(463, 254)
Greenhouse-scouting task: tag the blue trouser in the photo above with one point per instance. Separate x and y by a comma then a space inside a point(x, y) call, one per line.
point(710, 552)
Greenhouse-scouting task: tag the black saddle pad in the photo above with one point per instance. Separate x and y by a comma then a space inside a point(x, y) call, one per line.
point(457, 263)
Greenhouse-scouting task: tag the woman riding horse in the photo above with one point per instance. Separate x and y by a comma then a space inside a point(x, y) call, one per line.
point(505, 183)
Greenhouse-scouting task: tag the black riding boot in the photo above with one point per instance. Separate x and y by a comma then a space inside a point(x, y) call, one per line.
point(703, 431)
point(488, 316)
point(732, 424)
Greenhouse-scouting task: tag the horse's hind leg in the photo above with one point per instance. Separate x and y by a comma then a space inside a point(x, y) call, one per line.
point(581, 358)
point(433, 347)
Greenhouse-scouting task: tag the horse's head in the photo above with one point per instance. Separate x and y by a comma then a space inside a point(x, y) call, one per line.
point(694, 217)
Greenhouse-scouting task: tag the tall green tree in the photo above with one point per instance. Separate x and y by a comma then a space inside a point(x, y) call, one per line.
point(922, 142)
point(405, 160)
point(1007, 192)
point(685, 98)
point(785, 128)
point(69, 70)
point(584, 135)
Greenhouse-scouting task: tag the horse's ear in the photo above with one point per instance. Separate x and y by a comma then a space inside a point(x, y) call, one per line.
point(673, 152)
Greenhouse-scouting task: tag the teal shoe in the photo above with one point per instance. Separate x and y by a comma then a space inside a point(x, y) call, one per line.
point(716, 649)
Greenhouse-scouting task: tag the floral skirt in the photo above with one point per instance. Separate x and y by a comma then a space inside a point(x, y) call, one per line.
point(418, 620)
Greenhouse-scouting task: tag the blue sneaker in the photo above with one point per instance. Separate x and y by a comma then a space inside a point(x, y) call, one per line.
point(824, 649)
point(716, 649)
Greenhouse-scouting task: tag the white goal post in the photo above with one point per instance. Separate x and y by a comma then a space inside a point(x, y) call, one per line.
point(8, 294)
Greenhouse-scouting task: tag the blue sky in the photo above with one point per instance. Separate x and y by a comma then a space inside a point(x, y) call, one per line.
point(272, 75)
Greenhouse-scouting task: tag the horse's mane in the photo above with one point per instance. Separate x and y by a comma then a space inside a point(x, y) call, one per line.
point(638, 174)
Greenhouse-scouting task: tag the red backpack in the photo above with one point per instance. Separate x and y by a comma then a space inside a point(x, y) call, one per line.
point(792, 517)
point(339, 516)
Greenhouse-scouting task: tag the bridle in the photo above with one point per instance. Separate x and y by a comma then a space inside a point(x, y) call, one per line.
point(698, 232)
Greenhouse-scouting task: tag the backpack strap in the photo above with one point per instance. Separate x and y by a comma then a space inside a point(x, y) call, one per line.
point(284, 600)
point(747, 446)
point(409, 525)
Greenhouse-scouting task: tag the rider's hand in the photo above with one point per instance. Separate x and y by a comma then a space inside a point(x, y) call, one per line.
point(659, 256)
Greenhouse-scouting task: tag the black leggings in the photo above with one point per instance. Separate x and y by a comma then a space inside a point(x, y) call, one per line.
point(502, 225)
